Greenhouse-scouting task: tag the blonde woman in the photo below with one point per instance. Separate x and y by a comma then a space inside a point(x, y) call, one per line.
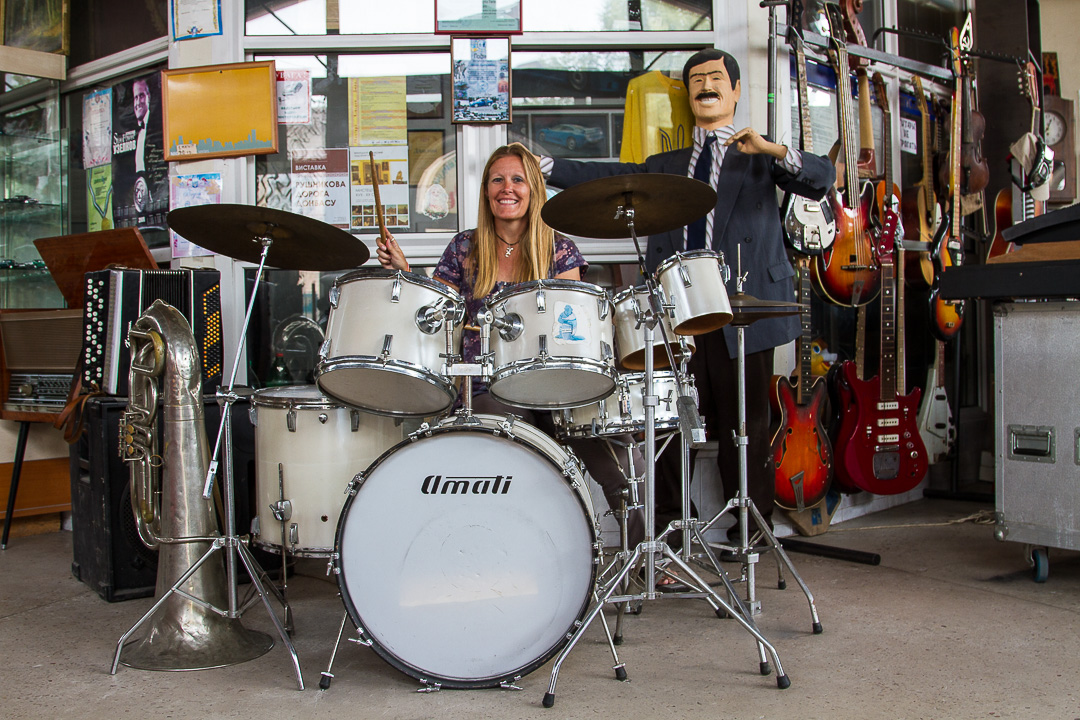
point(511, 244)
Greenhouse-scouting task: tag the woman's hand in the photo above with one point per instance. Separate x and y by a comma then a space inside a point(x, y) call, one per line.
point(389, 253)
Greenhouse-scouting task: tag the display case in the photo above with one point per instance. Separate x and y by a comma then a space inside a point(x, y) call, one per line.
point(33, 192)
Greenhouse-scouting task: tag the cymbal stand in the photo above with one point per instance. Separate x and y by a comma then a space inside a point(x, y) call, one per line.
point(649, 548)
point(749, 548)
point(232, 542)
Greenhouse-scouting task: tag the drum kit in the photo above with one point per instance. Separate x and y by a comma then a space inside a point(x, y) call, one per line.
point(467, 552)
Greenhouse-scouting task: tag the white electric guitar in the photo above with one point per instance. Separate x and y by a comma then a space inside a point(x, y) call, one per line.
point(935, 416)
point(810, 224)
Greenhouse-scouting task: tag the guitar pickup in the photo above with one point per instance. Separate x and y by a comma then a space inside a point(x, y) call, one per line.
point(888, 439)
point(887, 405)
point(855, 268)
point(888, 422)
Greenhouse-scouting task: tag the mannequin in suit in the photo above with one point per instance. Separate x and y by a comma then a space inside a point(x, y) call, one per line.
point(745, 169)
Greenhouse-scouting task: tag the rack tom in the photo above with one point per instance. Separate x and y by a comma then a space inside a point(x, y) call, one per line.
point(694, 284)
point(630, 307)
point(552, 344)
point(385, 342)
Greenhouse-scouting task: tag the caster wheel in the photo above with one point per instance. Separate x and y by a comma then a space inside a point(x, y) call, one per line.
point(1040, 564)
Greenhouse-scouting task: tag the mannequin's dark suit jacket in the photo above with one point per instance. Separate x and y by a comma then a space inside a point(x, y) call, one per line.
point(747, 218)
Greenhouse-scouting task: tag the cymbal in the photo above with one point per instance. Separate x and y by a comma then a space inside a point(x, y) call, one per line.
point(747, 309)
point(299, 242)
point(661, 202)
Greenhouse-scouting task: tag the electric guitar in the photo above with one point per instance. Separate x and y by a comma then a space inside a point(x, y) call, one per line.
point(800, 450)
point(810, 224)
point(922, 213)
point(946, 316)
point(847, 273)
point(879, 448)
point(935, 416)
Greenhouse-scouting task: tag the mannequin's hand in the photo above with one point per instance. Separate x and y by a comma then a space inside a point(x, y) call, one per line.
point(750, 142)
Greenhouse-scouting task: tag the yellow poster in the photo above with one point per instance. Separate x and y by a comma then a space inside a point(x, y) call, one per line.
point(377, 111)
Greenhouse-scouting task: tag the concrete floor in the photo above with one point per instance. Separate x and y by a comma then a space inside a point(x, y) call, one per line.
point(949, 625)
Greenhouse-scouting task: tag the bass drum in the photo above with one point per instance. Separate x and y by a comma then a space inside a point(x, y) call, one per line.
point(468, 555)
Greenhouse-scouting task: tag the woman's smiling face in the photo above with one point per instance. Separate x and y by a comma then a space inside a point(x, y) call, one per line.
point(507, 189)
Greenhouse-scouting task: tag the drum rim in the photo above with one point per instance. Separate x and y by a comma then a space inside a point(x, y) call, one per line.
point(546, 284)
point(447, 426)
point(578, 432)
point(414, 278)
point(400, 367)
point(528, 364)
point(321, 403)
point(687, 255)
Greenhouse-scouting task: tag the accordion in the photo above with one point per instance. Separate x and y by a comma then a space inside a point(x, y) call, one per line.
point(114, 299)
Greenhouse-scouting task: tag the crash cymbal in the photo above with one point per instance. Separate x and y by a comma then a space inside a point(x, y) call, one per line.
point(300, 242)
point(661, 202)
point(747, 309)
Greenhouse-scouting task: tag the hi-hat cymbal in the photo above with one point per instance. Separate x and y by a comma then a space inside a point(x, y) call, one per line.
point(661, 203)
point(747, 309)
point(299, 242)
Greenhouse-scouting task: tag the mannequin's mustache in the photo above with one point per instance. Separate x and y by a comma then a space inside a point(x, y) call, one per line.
point(706, 94)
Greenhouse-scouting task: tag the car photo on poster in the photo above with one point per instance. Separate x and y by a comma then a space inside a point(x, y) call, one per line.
point(570, 136)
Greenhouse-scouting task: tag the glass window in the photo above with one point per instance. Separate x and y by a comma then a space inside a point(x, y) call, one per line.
point(369, 17)
point(935, 17)
point(99, 29)
point(419, 160)
point(571, 104)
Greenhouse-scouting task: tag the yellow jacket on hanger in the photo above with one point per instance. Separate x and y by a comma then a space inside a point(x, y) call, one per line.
point(657, 119)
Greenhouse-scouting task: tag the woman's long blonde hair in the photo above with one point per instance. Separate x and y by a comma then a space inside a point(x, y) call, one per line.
point(537, 246)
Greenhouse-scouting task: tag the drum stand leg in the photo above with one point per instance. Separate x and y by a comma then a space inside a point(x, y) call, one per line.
point(749, 547)
point(327, 675)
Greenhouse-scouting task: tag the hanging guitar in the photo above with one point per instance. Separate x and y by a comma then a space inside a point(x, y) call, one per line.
point(800, 450)
point(810, 225)
point(935, 416)
point(847, 273)
point(879, 448)
point(946, 316)
point(921, 212)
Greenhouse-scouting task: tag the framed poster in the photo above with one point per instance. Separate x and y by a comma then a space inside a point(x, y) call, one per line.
point(42, 25)
point(484, 17)
point(220, 111)
point(480, 68)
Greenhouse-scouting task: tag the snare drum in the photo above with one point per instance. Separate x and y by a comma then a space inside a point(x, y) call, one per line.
point(384, 338)
point(556, 350)
point(468, 556)
point(694, 284)
point(630, 305)
point(318, 444)
point(624, 410)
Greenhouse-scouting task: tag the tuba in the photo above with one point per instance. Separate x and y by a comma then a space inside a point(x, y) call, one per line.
point(188, 630)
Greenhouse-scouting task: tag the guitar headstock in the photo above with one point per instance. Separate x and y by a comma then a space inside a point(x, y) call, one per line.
point(853, 29)
point(956, 55)
point(881, 93)
point(1027, 78)
point(920, 98)
point(836, 26)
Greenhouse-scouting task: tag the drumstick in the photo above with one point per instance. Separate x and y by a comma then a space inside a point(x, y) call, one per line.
point(378, 202)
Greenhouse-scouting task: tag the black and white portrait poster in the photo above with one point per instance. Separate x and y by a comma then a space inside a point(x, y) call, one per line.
point(140, 173)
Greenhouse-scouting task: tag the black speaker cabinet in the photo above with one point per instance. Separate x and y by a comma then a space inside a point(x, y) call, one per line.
point(108, 554)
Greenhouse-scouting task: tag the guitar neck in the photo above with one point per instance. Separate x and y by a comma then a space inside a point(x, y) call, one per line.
point(807, 138)
point(888, 366)
point(805, 357)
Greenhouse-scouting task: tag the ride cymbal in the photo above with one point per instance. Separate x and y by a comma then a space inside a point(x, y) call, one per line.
point(299, 242)
point(661, 202)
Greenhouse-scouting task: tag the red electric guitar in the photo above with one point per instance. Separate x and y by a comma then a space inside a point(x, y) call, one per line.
point(847, 273)
point(946, 316)
point(801, 451)
point(879, 448)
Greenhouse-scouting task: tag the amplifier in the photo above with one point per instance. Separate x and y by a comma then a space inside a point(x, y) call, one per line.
point(114, 299)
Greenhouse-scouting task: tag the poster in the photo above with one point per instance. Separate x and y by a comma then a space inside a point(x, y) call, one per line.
point(392, 166)
point(188, 191)
point(97, 128)
point(140, 173)
point(195, 18)
point(294, 97)
point(377, 111)
point(99, 194)
point(320, 185)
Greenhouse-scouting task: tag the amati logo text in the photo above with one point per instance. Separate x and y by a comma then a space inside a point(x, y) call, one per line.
point(466, 485)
